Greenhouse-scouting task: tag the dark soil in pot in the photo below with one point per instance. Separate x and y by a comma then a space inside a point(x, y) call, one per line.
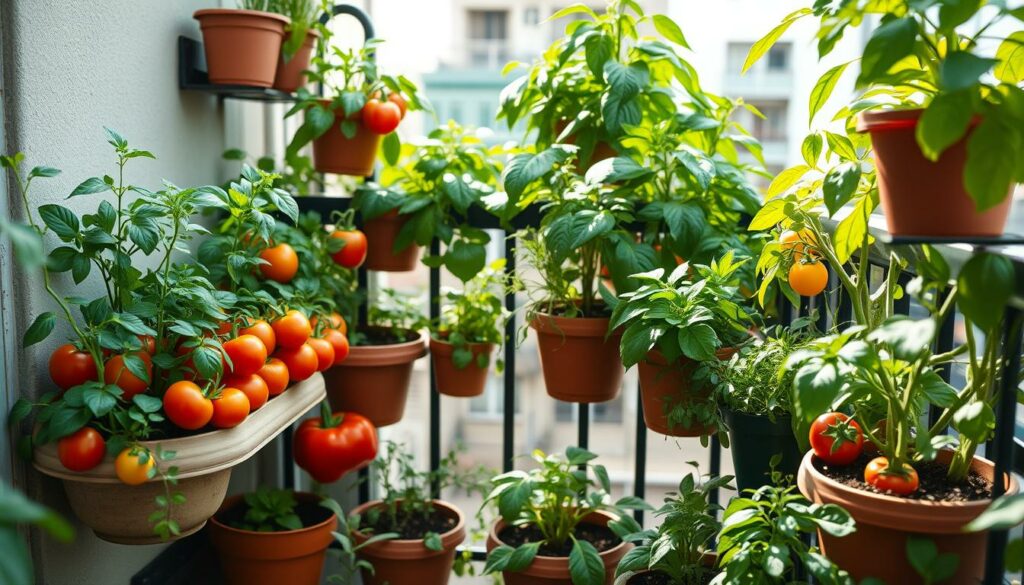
point(600, 536)
point(309, 513)
point(413, 527)
point(659, 578)
point(371, 336)
point(934, 486)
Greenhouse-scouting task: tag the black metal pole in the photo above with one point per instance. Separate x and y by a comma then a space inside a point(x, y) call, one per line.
point(640, 452)
point(435, 396)
point(509, 382)
point(583, 426)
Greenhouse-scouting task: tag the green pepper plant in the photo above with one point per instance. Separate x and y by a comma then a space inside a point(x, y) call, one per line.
point(476, 314)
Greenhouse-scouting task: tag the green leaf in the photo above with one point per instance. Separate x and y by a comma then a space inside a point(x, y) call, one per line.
point(599, 50)
point(526, 168)
point(39, 329)
point(699, 342)
point(953, 13)
point(758, 49)
point(840, 186)
point(90, 186)
point(822, 91)
point(636, 341)
point(392, 148)
point(686, 223)
point(890, 43)
point(588, 226)
point(817, 386)
point(841, 146)
point(432, 541)
point(944, 122)
point(60, 219)
point(319, 119)
point(146, 236)
point(522, 557)
point(1004, 513)
point(937, 390)
point(43, 171)
point(99, 399)
point(908, 338)
point(811, 149)
point(702, 169)
point(619, 106)
point(670, 30)
point(585, 566)
point(578, 455)
point(784, 181)
point(975, 421)
point(961, 70)
point(992, 154)
point(1010, 55)
point(985, 285)
point(465, 260)
point(497, 559)
point(614, 170)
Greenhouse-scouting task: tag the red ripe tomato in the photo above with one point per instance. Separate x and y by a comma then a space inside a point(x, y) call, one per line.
point(879, 474)
point(275, 374)
point(340, 343)
point(247, 354)
point(292, 330)
point(148, 344)
point(336, 320)
point(302, 361)
point(70, 367)
point(230, 408)
point(381, 117)
point(398, 100)
point(353, 253)
point(282, 263)
point(836, 438)
point(116, 372)
point(81, 450)
point(324, 352)
point(254, 387)
point(264, 331)
point(224, 328)
point(186, 406)
point(329, 446)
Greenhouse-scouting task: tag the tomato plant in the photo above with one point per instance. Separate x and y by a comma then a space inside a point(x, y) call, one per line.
point(836, 438)
point(882, 476)
point(331, 445)
point(81, 450)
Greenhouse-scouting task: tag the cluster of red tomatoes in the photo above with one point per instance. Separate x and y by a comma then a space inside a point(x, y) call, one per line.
point(838, 440)
point(808, 275)
point(382, 117)
point(281, 263)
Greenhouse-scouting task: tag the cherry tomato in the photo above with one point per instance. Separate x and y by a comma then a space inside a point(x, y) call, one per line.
point(381, 117)
point(836, 438)
point(331, 445)
point(282, 265)
point(798, 242)
point(808, 277)
point(275, 374)
point(292, 330)
point(247, 354)
point(398, 100)
point(254, 387)
point(70, 367)
point(81, 450)
point(224, 328)
point(148, 344)
point(879, 474)
point(230, 408)
point(264, 331)
point(185, 405)
point(353, 253)
point(302, 361)
point(116, 372)
point(340, 343)
point(130, 467)
point(324, 352)
point(337, 322)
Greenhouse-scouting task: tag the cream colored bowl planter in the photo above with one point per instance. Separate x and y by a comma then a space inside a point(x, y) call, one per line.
point(120, 513)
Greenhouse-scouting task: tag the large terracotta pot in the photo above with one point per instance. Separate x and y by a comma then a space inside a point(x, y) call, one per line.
point(884, 523)
point(454, 381)
point(333, 152)
point(291, 73)
point(664, 385)
point(409, 562)
point(120, 513)
point(555, 570)
point(579, 364)
point(374, 380)
point(921, 197)
point(381, 233)
point(270, 558)
point(242, 46)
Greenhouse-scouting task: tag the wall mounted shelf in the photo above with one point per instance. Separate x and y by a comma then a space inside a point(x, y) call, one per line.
point(192, 76)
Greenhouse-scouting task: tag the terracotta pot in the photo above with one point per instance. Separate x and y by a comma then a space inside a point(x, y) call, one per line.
point(120, 513)
point(291, 74)
point(381, 233)
point(409, 562)
point(333, 152)
point(555, 570)
point(708, 560)
point(453, 381)
point(662, 386)
point(269, 558)
point(921, 197)
point(374, 380)
point(602, 149)
point(884, 523)
point(242, 46)
point(579, 364)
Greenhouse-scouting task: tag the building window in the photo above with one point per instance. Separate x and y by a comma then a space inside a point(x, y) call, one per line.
point(531, 16)
point(771, 128)
point(778, 57)
point(488, 38)
point(776, 61)
point(601, 412)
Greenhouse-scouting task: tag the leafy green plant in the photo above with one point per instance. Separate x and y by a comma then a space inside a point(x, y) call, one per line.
point(347, 551)
point(476, 314)
point(15, 510)
point(304, 15)
point(269, 510)
point(555, 498)
point(763, 537)
point(679, 548)
point(752, 381)
point(1005, 513)
point(396, 314)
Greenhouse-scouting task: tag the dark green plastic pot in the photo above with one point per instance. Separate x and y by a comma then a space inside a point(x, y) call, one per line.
point(754, 441)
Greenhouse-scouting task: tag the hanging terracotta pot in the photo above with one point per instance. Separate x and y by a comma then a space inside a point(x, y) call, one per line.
point(242, 46)
point(555, 570)
point(374, 379)
point(381, 233)
point(884, 523)
point(921, 197)
point(295, 557)
point(333, 152)
point(454, 381)
point(291, 74)
point(578, 363)
point(410, 562)
point(754, 440)
point(664, 385)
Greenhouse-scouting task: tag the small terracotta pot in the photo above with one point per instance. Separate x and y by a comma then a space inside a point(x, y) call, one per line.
point(708, 560)
point(454, 381)
point(242, 46)
point(269, 558)
point(662, 386)
point(921, 197)
point(409, 562)
point(291, 74)
point(579, 364)
point(333, 152)
point(884, 523)
point(381, 233)
point(555, 570)
point(374, 380)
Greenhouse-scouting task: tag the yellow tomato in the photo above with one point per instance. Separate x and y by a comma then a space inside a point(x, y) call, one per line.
point(130, 468)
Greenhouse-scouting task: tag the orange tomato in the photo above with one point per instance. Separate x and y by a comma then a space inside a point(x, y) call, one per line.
point(798, 242)
point(275, 374)
point(116, 372)
point(230, 408)
point(292, 330)
point(302, 361)
point(340, 343)
point(186, 406)
point(264, 331)
point(130, 467)
point(353, 254)
point(324, 352)
point(247, 354)
point(398, 100)
point(282, 263)
point(879, 474)
point(808, 277)
point(254, 387)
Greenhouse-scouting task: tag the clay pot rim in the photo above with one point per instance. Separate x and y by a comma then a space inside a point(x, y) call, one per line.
point(301, 497)
point(447, 346)
point(405, 548)
point(198, 14)
point(894, 119)
point(655, 357)
point(499, 524)
point(573, 326)
point(387, 355)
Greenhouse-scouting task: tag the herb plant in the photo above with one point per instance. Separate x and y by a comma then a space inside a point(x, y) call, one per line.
point(269, 510)
point(304, 16)
point(394, 313)
point(475, 314)
point(753, 380)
